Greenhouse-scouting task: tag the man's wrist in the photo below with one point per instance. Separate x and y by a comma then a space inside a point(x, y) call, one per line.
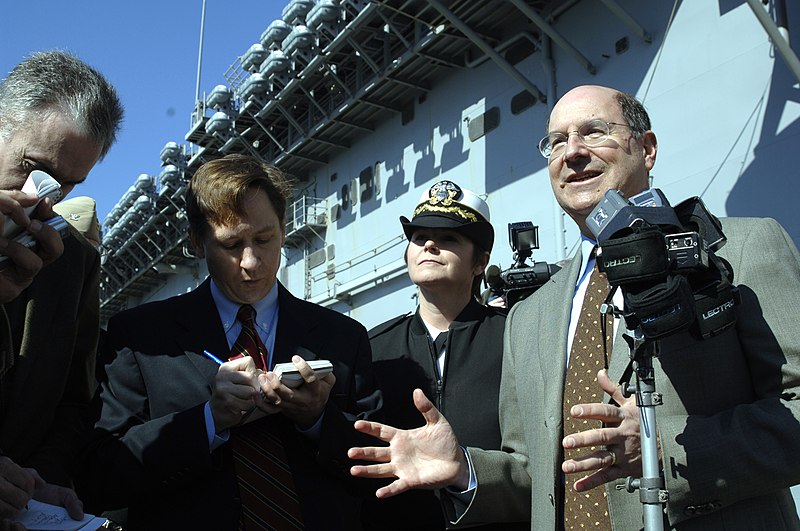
point(464, 476)
point(215, 438)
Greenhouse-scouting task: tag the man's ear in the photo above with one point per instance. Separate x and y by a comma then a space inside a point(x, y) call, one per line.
point(197, 244)
point(650, 148)
point(283, 231)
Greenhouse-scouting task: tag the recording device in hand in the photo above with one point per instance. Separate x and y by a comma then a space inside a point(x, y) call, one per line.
point(40, 184)
point(24, 238)
point(521, 279)
point(44, 186)
point(664, 259)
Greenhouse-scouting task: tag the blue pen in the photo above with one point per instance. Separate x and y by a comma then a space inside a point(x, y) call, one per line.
point(212, 357)
point(218, 361)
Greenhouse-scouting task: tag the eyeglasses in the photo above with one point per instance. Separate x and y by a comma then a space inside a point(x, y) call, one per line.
point(592, 133)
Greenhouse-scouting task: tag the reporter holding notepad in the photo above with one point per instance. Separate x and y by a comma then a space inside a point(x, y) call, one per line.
point(173, 440)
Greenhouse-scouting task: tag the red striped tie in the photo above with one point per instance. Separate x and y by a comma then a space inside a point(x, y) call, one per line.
point(266, 487)
point(249, 343)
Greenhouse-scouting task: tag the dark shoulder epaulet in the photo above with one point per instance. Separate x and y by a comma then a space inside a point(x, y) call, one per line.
point(388, 325)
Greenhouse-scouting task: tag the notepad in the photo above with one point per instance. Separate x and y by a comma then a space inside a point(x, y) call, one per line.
point(290, 376)
point(40, 516)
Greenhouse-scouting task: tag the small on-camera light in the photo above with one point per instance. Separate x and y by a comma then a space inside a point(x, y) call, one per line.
point(523, 236)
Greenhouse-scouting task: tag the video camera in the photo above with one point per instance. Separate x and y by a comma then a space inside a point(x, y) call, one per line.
point(664, 260)
point(521, 279)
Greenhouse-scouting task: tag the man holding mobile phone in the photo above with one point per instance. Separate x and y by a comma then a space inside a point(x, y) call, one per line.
point(60, 116)
point(23, 263)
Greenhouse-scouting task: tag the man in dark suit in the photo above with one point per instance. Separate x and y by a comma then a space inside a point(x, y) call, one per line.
point(729, 423)
point(161, 445)
point(61, 116)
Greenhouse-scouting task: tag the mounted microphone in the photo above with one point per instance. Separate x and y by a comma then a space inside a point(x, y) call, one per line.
point(493, 279)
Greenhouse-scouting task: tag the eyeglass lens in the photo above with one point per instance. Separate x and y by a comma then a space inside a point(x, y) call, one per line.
point(592, 133)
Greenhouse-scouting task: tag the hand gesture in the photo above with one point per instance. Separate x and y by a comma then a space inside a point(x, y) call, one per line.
point(303, 404)
point(423, 458)
point(621, 455)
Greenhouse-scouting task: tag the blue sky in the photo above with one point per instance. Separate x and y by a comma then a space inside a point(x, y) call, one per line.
point(148, 49)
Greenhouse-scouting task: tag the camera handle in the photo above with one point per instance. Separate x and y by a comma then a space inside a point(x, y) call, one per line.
point(520, 257)
point(652, 490)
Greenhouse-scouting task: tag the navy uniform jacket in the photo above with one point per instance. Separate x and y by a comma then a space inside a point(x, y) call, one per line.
point(149, 449)
point(467, 395)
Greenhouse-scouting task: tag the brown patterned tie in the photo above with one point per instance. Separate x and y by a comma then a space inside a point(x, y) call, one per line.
point(586, 509)
point(266, 487)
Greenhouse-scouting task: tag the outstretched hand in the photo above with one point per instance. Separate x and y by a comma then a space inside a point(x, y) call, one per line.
point(620, 453)
point(423, 458)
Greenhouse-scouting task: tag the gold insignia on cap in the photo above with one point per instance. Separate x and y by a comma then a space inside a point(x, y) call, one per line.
point(443, 198)
point(444, 192)
point(455, 209)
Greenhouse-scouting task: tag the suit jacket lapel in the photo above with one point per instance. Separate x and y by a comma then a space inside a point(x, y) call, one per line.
point(198, 328)
point(620, 354)
point(553, 332)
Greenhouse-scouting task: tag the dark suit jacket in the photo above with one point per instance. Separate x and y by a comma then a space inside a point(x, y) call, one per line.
point(729, 425)
point(149, 450)
point(54, 327)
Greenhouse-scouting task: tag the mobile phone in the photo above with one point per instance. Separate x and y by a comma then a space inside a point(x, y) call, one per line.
point(26, 239)
point(290, 376)
point(41, 184)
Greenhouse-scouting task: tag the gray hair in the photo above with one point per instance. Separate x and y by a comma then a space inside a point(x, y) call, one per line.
point(58, 82)
point(634, 112)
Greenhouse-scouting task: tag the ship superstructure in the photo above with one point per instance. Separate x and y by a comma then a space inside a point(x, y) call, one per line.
point(367, 103)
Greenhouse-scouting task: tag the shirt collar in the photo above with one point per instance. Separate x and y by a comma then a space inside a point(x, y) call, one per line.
point(587, 256)
point(265, 308)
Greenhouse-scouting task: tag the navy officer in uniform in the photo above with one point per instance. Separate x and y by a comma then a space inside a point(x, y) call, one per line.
point(451, 347)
